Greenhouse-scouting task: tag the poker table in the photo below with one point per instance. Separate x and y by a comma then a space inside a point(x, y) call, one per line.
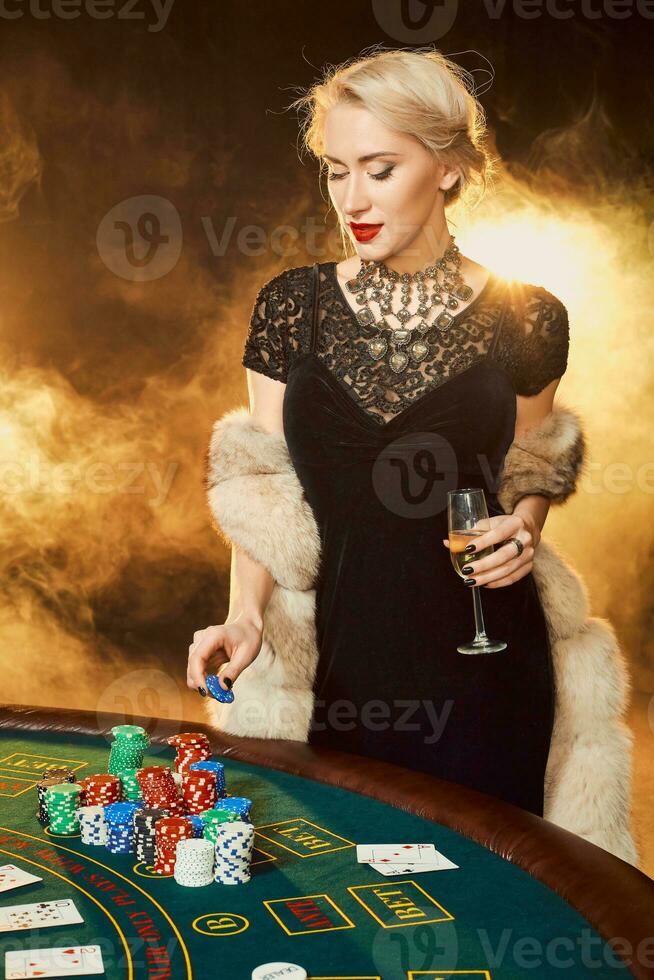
point(528, 899)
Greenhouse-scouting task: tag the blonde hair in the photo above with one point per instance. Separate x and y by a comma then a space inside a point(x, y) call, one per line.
point(419, 92)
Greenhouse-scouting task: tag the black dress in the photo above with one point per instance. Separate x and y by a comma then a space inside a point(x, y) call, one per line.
point(376, 453)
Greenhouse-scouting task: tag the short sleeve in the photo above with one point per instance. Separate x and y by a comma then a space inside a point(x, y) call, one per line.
point(535, 342)
point(265, 348)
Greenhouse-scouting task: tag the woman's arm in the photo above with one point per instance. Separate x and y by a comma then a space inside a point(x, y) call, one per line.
point(525, 522)
point(238, 641)
point(531, 411)
point(251, 588)
point(252, 583)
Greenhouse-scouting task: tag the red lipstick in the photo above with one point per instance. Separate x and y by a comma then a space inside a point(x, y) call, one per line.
point(364, 232)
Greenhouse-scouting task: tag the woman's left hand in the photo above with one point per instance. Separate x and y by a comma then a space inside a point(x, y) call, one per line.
point(504, 566)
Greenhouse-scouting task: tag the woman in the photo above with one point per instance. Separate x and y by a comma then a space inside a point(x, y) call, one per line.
point(364, 408)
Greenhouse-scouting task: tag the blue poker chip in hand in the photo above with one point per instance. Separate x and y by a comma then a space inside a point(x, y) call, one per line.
point(217, 691)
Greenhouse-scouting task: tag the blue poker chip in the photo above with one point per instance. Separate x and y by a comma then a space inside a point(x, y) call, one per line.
point(217, 691)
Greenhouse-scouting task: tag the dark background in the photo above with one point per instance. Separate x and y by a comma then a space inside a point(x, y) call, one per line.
point(120, 340)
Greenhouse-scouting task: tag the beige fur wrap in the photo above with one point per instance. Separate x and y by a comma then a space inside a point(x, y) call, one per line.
point(257, 503)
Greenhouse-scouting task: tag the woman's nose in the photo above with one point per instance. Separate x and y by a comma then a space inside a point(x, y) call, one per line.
point(355, 201)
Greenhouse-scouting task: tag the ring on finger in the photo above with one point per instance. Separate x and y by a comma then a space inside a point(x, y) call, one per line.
point(518, 543)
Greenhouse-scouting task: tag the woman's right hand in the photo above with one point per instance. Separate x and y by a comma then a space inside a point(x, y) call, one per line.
point(236, 643)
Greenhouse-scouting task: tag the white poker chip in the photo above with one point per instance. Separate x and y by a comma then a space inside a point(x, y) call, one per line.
point(279, 971)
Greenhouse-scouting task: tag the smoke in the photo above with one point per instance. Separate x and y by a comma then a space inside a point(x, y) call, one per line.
point(561, 218)
point(108, 388)
point(110, 382)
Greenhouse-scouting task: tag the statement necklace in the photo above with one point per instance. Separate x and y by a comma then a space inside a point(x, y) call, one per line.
point(375, 281)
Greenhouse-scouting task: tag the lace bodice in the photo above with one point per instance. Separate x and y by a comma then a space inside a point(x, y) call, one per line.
point(529, 324)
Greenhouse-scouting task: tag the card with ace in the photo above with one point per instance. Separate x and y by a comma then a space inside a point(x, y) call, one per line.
point(396, 853)
point(58, 961)
point(13, 877)
point(403, 859)
point(390, 870)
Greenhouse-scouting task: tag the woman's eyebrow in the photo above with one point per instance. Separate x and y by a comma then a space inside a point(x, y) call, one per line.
point(364, 159)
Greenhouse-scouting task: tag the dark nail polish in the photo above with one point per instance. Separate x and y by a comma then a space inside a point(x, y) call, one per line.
point(467, 569)
point(470, 547)
point(227, 681)
point(202, 691)
point(469, 581)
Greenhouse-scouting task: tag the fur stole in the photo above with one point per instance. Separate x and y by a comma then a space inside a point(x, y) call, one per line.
point(257, 503)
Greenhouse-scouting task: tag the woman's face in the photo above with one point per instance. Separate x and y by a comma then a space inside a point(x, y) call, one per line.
point(399, 190)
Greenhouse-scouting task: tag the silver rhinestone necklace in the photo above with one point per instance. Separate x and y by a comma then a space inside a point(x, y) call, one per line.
point(375, 281)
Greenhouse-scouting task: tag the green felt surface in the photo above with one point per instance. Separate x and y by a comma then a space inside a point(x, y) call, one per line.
point(308, 902)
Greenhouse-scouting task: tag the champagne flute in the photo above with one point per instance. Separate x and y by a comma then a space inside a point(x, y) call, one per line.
point(467, 519)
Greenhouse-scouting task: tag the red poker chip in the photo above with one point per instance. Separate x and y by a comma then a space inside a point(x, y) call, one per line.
point(151, 772)
point(188, 738)
point(100, 789)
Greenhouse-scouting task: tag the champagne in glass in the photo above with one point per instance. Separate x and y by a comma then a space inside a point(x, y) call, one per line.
point(459, 541)
point(467, 518)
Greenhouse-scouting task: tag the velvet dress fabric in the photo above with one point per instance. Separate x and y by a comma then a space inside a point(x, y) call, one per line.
point(347, 511)
point(390, 609)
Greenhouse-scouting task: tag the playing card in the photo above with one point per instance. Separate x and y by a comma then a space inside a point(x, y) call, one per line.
point(37, 914)
point(13, 877)
point(440, 864)
point(58, 961)
point(396, 853)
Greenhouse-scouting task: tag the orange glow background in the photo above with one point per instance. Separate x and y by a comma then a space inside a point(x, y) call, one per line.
point(118, 349)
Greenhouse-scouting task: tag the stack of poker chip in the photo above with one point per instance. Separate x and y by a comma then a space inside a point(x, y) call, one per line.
point(92, 824)
point(62, 801)
point(168, 832)
point(130, 742)
point(213, 819)
point(101, 789)
point(198, 790)
point(233, 853)
point(194, 862)
point(120, 826)
point(144, 833)
point(212, 765)
point(240, 805)
point(129, 784)
point(52, 776)
point(191, 747)
point(158, 789)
